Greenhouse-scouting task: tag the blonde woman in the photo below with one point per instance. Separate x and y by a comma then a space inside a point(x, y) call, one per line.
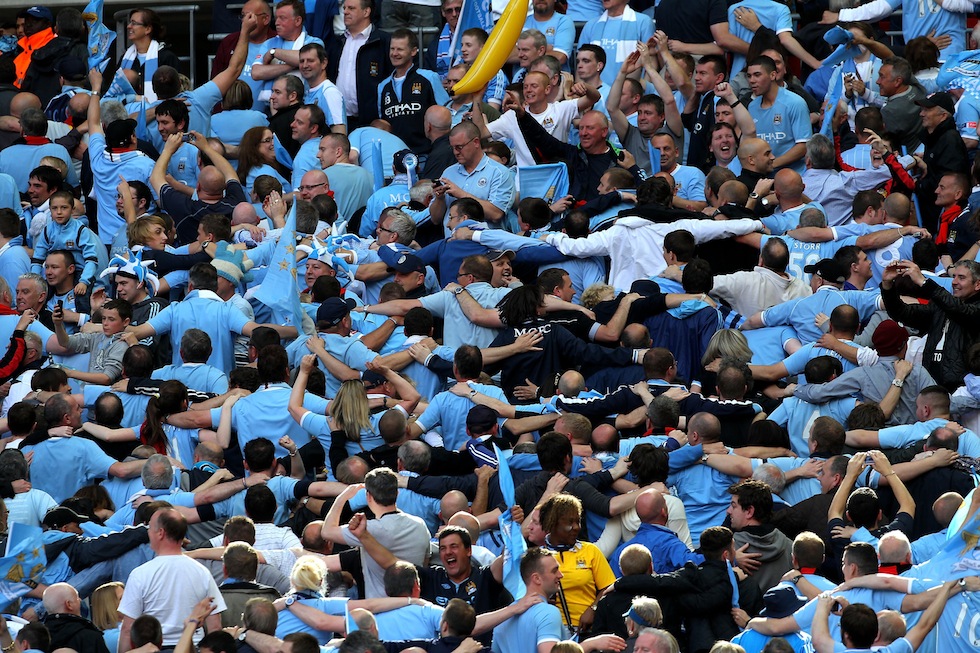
point(105, 612)
point(349, 421)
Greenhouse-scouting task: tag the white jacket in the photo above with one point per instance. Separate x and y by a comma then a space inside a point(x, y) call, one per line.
point(635, 245)
point(751, 292)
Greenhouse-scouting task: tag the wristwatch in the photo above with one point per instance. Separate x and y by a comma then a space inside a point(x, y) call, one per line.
point(753, 195)
point(290, 600)
point(796, 579)
point(241, 635)
point(472, 393)
point(704, 459)
point(898, 383)
point(272, 51)
point(457, 291)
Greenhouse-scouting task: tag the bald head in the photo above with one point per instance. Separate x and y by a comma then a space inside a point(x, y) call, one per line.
point(651, 507)
point(751, 153)
point(23, 101)
point(706, 426)
point(211, 181)
point(467, 521)
point(61, 598)
point(571, 383)
point(438, 121)
point(244, 213)
point(891, 626)
point(364, 620)
point(452, 502)
point(635, 336)
point(788, 185)
point(78, 103)
point(733, 192)
point(898, 208)
point(945, 507)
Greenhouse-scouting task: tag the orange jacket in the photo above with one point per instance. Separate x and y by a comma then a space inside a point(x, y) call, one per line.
point(28, 45)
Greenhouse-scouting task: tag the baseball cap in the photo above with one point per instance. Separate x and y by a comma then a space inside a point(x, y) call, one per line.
point(61, 516)
point(827, 269)
point(781, 601)
point(118, 133)
point(333, 310)
point(481, 419)
point(940, 99)
point(72, 68)
point(494, 254)
point(408, 263)
point(37, 11)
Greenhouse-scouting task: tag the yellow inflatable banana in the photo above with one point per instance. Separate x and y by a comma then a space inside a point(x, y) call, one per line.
point(498, 47)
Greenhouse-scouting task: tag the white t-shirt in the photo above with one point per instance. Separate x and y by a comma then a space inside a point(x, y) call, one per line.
point(29, 507)
point(556, 120)
point(168, 587)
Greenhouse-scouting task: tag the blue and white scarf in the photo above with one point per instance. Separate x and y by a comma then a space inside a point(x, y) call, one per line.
point(149, 67)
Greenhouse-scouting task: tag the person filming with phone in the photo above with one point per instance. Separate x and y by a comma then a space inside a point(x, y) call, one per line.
point(949, 320)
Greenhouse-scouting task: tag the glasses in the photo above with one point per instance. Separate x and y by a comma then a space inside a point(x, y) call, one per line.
point(464, 274)
point(387, 231)
point(303, 189)
point(459, 148)
point(135, 23)
point(268, 140)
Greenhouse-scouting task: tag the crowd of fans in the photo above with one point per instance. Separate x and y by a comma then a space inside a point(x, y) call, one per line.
point(663, 340)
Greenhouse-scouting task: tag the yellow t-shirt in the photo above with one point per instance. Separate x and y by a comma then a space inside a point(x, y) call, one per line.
point(585, 573)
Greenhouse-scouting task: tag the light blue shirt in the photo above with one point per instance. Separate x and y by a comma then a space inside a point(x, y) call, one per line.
point(289, 623)
point(63, 465)
point(203, 307)
point(784, 124)
point(489, 181)
point(802, 254)
point(409, 622)
point(391, 195)
point(798, 417)
point(305, 160)
point(262, 414)
point(449, 411)
point(459, 330)
point(14, 261)
point(689, 183)
point(362, 136)
point(704, 492)
point(800, 313)
point(351, 185)
point(228, 126)
point(198, 376)
point(559, 30)
point(773, 15)
point(537, 625)
point(106, 169)
point(618, 37)
point(895, 437)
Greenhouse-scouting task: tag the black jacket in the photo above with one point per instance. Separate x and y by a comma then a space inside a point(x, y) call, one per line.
point(41, 78)
point(559, 351)
point(372, 66)
point(944, 315)
point(698, 596)
point(584, 169)
point(944, 152)
point(69, 631)
point(406, 114)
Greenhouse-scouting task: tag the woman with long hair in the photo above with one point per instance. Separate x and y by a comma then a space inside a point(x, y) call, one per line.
point(166, 439)
point(257, 156)
point(352, 425)
point(105, 612)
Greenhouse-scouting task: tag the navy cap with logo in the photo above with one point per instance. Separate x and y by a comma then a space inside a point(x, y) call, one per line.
point(38, 11)
point(827, 269)
point(481, 419)
point(333, 310)
point(781, 601)
point(71, 68)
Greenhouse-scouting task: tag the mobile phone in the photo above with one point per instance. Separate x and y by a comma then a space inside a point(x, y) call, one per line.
point(187, 138)
point(869, 460)
point(61, 305)
point(436, 183)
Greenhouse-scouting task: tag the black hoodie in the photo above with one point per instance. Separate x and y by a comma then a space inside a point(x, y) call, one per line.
point(70, 631)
